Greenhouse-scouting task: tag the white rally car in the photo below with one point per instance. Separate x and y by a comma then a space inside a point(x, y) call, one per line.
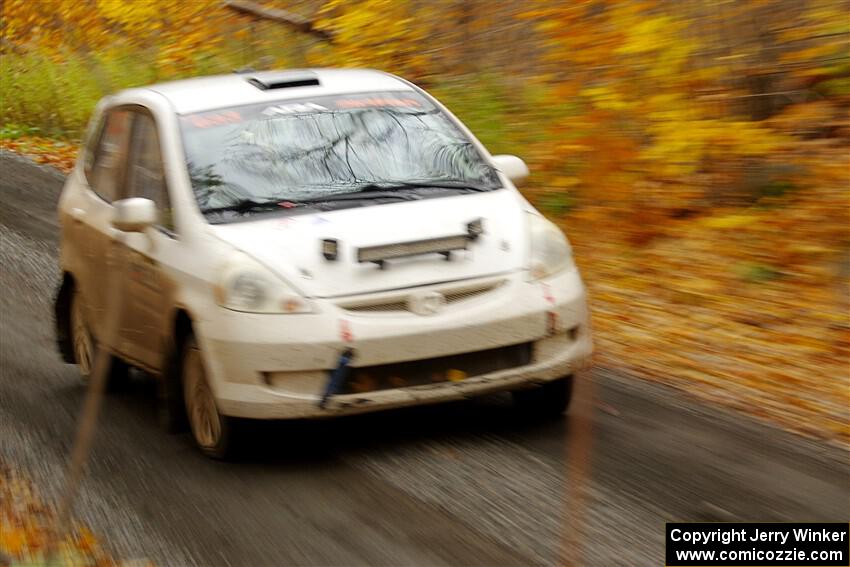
point(310, 243)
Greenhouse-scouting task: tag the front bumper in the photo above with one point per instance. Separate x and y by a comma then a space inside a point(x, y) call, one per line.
point(276, 366)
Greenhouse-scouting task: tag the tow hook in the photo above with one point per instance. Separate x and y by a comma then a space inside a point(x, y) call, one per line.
point(338, 376)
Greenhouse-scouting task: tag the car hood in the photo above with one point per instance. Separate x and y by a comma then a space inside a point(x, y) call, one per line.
point(291, 246)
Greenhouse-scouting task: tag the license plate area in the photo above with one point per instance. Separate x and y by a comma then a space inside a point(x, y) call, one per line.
point(453, 368)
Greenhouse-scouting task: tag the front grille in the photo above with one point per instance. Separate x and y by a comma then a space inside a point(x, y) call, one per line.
point(398, 303)
point(387, 306)
point(434, 370)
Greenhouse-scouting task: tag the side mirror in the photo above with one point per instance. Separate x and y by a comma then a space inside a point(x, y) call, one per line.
point(134, 215)
point(513, 167)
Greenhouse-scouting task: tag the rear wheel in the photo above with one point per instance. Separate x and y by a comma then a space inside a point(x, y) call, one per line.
point(81, 339)
point(85, 348)
point(212, 431)
point(549, 400)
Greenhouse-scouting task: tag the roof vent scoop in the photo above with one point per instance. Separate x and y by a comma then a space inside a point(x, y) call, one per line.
point(269, 81)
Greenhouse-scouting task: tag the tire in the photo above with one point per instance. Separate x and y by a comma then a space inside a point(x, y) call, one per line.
point(549, 400)
point(85, 348)
point(82, 341)
point(213, 433)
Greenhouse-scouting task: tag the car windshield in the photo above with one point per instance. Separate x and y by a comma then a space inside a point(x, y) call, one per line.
point(314, 150)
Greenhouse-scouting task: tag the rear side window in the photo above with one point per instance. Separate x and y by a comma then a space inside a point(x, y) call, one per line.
point(145, 173)
point(91, 146)
point(111, 155)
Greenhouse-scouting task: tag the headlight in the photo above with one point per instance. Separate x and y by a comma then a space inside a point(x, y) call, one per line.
point(250, 287)
point(550, 250)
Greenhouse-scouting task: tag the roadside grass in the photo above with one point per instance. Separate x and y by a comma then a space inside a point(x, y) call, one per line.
point(56, 93)
point(57, 96)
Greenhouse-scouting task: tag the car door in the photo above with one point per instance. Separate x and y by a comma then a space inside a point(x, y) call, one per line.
point(90, 227)
point(148, 290)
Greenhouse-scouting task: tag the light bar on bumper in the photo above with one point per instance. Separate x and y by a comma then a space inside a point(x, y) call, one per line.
point(442, 245)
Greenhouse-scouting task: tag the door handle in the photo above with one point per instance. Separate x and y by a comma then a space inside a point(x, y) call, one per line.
point(77, 214)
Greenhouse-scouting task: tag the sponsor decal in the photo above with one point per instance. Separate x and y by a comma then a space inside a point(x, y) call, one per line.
point(211, 119)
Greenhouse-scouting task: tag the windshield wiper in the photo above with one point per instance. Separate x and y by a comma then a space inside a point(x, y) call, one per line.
point(244, 206)
point(389, 190)
point(367, 192)
point(425, 184)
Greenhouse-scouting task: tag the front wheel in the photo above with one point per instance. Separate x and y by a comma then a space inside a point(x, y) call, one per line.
point(549, 400)
point(212, 431)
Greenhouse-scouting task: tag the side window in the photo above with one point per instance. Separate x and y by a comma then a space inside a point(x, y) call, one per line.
point(92, 142)
point(146, 175)
point(111, 155)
